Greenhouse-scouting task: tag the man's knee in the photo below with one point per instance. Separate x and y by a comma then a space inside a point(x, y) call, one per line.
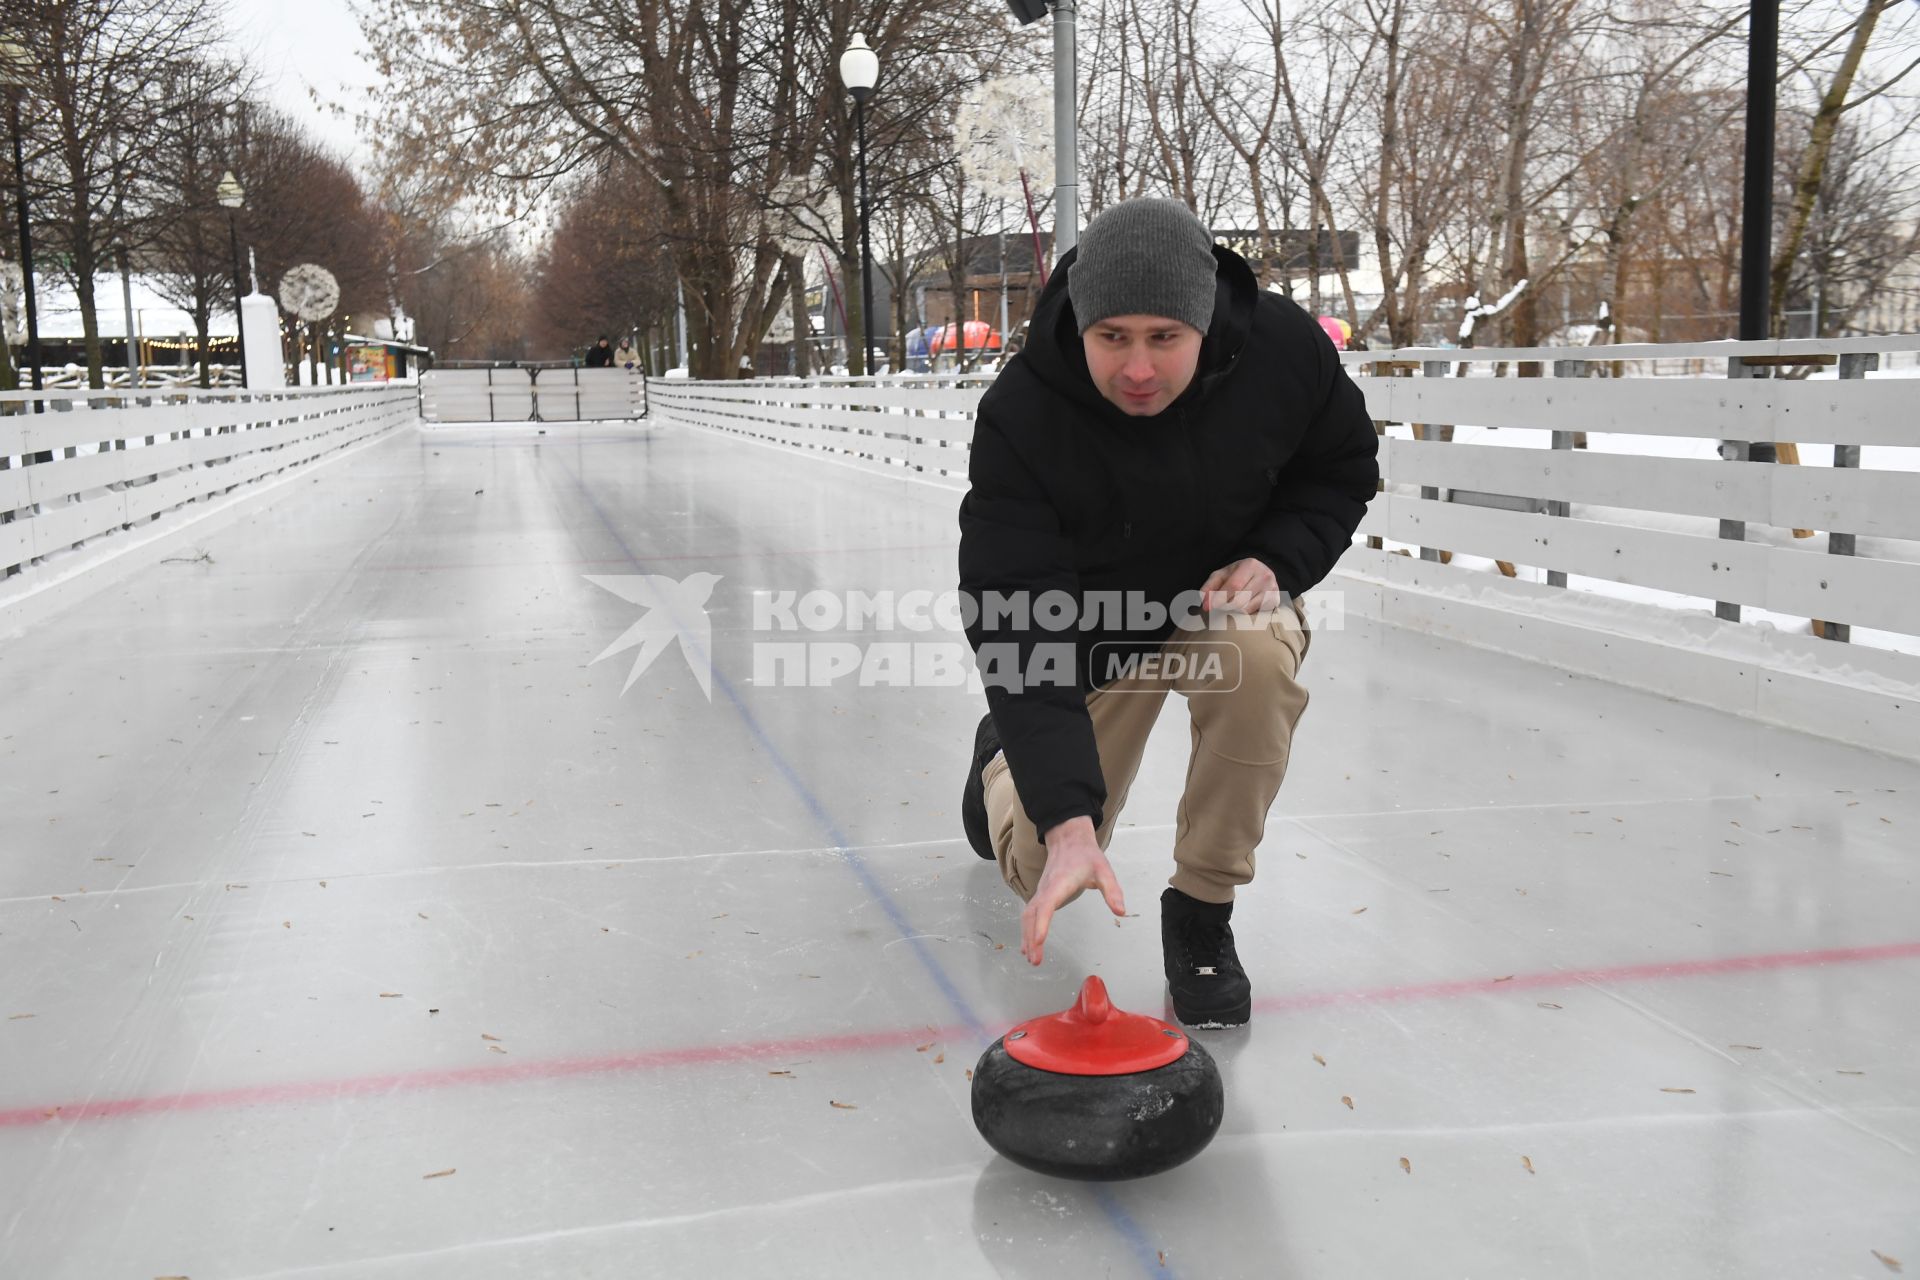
point(1249, 714)
point(1260, 656)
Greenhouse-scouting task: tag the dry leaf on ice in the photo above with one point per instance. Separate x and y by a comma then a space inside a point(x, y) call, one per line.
point(1527, 1163)
point(844, 1106)
point(444, 1173)
point(1406, 1165)
point(1891, 1264)
point(1676, 1090)
point(1349, 1101)
point(1317, 1058)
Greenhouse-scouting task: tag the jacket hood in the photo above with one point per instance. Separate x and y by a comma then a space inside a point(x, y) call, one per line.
point(1056, 356)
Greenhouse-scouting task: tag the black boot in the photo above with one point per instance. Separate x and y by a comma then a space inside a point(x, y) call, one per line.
point(1204, 976)
point(973, 800)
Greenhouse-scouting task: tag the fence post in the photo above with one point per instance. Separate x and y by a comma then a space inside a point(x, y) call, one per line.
point(1425, 431)
point(1734, 451)
point(1563, 440)
point(1385, 369)
point(1856, 365)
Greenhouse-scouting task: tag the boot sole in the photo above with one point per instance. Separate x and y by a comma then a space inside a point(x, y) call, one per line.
point(1215, 1019)
point(973, 797)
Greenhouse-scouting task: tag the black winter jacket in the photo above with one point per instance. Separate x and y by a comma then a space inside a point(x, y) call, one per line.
point(1269, 454)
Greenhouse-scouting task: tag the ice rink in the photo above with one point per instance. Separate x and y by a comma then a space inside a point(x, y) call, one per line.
point(353, 923)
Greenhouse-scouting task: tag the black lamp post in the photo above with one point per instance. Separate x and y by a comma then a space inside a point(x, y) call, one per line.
point(860, 70)
point(232, 196)
point(16, 64)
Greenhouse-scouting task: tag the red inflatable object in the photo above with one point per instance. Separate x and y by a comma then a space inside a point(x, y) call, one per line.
point(1095, 1039)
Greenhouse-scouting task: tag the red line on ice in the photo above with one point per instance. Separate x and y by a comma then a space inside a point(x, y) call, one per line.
point(775, 1051)
point(1614, 973)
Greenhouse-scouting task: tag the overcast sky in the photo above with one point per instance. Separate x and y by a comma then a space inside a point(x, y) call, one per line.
point(303, 47)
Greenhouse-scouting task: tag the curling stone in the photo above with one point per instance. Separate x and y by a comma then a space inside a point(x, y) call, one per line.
point(1097, 1093)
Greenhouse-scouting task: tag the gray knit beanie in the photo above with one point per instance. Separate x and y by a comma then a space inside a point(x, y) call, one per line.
point(1144, 257)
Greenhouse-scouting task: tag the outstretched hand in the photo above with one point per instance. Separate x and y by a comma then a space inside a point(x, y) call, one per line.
point(1074, 863)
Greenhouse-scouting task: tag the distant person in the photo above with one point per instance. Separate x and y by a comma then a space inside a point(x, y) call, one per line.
point(1172, 443)
point(625, 356)
point(600, 354)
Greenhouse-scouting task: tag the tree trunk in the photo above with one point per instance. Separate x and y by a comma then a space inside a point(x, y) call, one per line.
point(1340, 268)
point(1397, 318)
point(802, 326)
point(202, 325)
point(83, 265)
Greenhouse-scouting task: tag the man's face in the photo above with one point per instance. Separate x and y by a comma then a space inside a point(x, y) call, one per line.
point(1141, 364)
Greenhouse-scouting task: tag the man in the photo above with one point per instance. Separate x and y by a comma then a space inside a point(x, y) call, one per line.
point(1177, 455)
point(600, 354)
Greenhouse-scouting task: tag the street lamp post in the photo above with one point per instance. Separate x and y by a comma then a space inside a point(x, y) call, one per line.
point(1066, 154)
point(232, 196)
point(16, 64)
point(860, 70)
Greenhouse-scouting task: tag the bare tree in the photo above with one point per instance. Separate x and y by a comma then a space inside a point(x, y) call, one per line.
point(719, 105)
point(1858, 234)
point(1813, 161)
point(99, 82)
point(605, 269)
point(191, 256)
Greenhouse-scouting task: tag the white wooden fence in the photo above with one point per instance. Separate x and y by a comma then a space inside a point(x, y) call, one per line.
point(76, 466)
point(1561, 516)
point(1601, 511)
point(919, 426)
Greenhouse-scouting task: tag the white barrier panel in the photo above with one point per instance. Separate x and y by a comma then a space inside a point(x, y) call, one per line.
point(522, 395)
point(476, 395)
point(96, 462)
point(589, 395)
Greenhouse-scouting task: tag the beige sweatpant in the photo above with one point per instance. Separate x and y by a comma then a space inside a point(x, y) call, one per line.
point(1243, 706)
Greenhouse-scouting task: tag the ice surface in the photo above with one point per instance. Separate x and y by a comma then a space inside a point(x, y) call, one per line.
point(352, 924)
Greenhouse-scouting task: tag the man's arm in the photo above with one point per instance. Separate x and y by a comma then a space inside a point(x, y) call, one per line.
point(1012, 547)
point(1322, 493)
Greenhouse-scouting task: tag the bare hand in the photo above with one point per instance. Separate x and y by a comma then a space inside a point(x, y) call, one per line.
point(1074, 863)
point(1245, 586)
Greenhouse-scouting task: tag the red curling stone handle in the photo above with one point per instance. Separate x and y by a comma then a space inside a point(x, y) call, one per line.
point(1095, 1039)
